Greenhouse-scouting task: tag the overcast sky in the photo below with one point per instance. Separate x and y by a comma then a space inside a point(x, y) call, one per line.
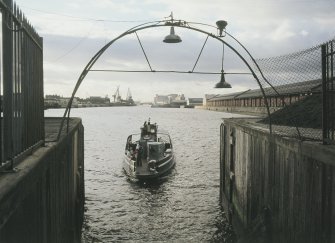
point(73, 31)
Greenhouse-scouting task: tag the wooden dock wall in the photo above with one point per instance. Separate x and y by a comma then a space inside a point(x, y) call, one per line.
point(274, 188)
point(43, 200)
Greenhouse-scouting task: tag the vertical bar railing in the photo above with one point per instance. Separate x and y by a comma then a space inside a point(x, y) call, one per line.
point(22, 120)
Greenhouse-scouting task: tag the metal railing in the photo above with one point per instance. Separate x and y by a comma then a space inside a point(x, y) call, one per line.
point(22, 109)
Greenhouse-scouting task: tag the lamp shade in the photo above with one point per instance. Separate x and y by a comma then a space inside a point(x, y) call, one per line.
point(221, 24)
point(222, 83)
point(172, 37)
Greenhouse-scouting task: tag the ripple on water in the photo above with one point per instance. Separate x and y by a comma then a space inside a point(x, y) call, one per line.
point(182, 207)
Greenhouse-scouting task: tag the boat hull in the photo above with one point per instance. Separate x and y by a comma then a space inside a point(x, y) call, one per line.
point(149, 154)
point(143, 172)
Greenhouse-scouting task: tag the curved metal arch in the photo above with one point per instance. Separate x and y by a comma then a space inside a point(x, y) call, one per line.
point(155, 24)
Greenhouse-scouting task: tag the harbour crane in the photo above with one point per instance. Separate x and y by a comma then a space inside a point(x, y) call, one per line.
point(116, 95)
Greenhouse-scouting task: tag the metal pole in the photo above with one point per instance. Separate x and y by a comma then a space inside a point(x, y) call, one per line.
point(7, 84)
point(332, 89)
point(324, 94)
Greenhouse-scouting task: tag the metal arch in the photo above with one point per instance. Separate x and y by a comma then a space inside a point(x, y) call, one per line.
point(162, 23)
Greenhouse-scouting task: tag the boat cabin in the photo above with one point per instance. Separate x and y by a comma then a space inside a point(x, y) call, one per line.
point(149, 131)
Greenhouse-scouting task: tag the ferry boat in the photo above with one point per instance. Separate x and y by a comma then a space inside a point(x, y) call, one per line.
point(149, 154)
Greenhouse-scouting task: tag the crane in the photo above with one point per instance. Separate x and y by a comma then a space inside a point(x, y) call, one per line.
point(116, 95)
point(129, 98)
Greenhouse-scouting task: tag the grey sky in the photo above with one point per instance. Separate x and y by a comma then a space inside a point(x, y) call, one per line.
point(74, 31)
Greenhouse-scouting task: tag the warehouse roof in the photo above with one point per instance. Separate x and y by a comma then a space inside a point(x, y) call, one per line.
point(287, 89)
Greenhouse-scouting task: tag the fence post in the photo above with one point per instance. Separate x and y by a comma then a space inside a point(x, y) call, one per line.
point(324, 95)
point(7, 55)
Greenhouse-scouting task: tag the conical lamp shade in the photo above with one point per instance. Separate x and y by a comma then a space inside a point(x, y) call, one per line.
point(172, 37)
point(222, 83)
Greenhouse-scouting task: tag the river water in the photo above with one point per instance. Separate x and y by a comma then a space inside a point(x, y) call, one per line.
point(182, 207)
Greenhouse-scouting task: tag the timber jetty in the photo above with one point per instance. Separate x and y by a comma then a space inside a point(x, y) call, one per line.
point(42, 174)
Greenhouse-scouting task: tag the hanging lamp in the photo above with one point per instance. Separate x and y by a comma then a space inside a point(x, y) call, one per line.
point(222, 83)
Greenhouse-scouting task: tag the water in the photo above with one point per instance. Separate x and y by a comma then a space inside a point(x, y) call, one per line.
point(184, 206)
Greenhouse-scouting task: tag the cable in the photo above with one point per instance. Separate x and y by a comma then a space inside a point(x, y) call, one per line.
point(75, 46)
point(222, 57)
point(84, 18)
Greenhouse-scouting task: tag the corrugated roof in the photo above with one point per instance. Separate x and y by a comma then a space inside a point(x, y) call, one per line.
point(195, 99)
point(210, 96)
point(287, 89)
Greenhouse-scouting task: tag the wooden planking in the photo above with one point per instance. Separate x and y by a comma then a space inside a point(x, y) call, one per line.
point(278, 174)
point(44, 197)
point(332, 206)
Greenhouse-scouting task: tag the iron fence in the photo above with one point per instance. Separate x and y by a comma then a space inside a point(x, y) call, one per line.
point(22, 109)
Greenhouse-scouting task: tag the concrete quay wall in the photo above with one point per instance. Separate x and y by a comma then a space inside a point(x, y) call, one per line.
point(43, 199)
point(275, 188)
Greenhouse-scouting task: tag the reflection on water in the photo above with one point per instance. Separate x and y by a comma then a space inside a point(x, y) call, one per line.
point(183, 206)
